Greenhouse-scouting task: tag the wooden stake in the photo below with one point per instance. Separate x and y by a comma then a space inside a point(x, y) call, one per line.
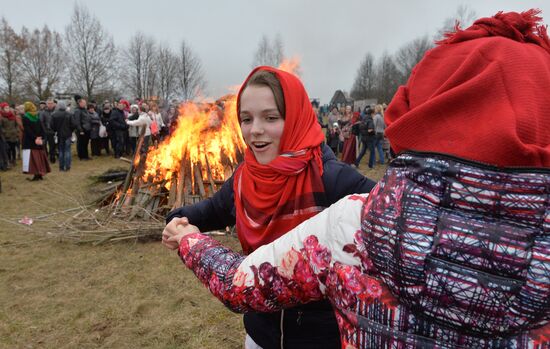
point(198, 179)
point(173, 190)
point(209, 175)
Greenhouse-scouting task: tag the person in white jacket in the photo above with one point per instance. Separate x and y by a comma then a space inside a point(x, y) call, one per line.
point(156, 118)
point(144, 120)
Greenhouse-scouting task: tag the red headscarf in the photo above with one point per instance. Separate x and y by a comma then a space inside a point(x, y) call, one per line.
point(274, 198)
point(482, 94)
point(8, 115)
point(126, 104)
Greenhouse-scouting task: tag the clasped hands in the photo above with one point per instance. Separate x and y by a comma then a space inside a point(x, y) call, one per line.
point(175, 231)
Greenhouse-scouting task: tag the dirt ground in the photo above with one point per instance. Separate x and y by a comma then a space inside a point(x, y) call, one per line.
point(57, 294)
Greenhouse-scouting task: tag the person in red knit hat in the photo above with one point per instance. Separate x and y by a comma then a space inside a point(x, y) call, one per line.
point(451, 249)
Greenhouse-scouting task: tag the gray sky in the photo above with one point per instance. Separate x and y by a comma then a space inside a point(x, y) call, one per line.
point(330, 37)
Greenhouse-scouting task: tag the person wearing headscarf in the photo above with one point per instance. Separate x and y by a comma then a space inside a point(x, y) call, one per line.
point(35, 160)
point(451, 249)
point(350, 141)
point(10, 129)
point(288, 175)
point(4, 160)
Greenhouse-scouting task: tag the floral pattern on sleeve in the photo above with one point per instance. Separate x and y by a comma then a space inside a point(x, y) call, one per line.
point(293, 270)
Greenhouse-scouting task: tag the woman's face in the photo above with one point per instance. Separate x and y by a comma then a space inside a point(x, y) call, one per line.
point(261, 123)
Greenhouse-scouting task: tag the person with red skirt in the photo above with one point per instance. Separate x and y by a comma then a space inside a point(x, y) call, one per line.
point(35, 160)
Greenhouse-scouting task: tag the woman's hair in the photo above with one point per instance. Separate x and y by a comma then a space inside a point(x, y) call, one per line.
point(379, 109)
point(154, 107)
point(265, 78)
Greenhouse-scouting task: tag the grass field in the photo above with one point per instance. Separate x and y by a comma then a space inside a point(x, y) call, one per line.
point(57, 294)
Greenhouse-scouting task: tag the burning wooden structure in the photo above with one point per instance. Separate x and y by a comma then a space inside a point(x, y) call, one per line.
point(191, 164)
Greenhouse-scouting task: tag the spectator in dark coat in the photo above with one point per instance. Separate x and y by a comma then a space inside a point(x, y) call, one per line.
point(367, 135)
point(63, 125)
point(46, 120)
point(118, 127)
point(84, 126)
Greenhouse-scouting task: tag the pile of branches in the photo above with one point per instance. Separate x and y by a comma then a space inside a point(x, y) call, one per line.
point(89, 223)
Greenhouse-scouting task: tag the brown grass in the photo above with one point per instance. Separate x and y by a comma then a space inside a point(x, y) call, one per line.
point(59, 295)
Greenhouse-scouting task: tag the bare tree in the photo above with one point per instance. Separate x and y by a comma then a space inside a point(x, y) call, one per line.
point(365, 80)
point(387, 78)
point(167, 68)
point(464, 16)
point(43, 61)
point(190, 78)
point(410, 54)
point(277, 50)
point(91, 53)
point(269, 53)
point(262, 55)
point(10, 62)
point(139, 61)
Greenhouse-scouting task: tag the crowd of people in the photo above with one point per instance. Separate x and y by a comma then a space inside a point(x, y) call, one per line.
point(44, 135)
point(113, 127)
point(351, 134)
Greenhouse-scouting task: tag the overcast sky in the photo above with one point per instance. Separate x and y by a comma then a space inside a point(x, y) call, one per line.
point(330, 37)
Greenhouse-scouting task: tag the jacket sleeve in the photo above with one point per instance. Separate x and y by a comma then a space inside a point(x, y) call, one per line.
point(141, 121)
point(340, 180)
point(118, 123)
point(297, 268)
point(216, 212)
point(77, 115)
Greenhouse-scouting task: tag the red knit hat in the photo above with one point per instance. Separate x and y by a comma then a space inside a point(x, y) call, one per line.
point(482, 94)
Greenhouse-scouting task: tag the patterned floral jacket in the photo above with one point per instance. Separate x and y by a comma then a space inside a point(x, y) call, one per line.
point(444, 253)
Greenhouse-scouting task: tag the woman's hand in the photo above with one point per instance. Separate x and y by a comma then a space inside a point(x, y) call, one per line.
point(175, 231)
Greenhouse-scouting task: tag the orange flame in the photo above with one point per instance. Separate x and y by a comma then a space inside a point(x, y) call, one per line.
point(204, 135)
point(291, 65)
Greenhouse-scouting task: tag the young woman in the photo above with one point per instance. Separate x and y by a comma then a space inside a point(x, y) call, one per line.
point(288, 175)
point(35, 160)
point(452, 248)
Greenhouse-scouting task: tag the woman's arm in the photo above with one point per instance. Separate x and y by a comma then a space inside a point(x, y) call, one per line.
point(143, 120)
point(293, 269)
